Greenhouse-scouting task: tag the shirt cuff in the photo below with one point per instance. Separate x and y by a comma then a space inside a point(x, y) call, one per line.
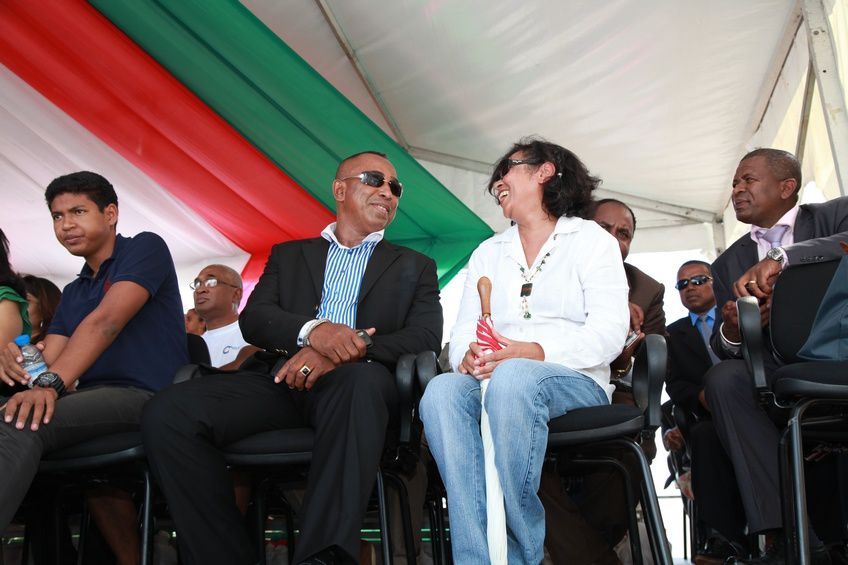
point(306, 329)
point(730, 347)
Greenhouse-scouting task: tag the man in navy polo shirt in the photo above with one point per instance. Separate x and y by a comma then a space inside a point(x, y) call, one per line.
point(117, 337)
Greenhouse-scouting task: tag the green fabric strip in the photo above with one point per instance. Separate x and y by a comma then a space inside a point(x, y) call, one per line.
point(251, 78)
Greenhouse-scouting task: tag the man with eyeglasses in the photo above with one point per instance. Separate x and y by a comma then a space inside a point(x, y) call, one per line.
point(217, 294)
point(333, 315)
point(765, 195)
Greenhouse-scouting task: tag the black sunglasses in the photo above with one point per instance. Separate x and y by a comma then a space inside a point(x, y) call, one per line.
point(697, 280)
point(377, 179)
point(506, 164)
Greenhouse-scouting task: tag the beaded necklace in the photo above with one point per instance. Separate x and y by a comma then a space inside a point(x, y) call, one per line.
point(527, 287)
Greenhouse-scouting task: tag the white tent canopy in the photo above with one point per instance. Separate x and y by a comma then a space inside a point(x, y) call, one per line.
point(660, 99)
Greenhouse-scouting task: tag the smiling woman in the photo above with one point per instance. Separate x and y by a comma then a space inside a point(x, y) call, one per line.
point(560, 293)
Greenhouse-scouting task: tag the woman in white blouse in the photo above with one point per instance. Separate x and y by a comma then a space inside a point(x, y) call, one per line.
point(559, 304)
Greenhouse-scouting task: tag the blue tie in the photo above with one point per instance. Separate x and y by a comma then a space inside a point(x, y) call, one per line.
point(704, 328)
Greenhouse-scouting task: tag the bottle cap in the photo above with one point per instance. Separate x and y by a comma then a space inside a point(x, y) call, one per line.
point(22, 340)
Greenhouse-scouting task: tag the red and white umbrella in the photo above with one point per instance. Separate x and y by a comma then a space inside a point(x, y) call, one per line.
point(496, 516)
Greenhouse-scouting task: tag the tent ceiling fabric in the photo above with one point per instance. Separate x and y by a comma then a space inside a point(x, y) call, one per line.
point(657, 98)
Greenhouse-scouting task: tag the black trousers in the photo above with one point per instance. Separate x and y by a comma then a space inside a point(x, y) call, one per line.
point(185, 426)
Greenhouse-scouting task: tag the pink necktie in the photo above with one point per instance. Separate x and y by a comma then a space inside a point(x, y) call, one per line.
point(773, 236)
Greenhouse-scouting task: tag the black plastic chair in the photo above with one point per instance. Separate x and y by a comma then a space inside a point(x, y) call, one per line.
point(798, 385)
point(586, 436)
point(269, 455)
point(112, 455)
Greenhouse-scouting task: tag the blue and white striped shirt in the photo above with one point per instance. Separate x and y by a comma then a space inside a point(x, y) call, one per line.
point(343, 276)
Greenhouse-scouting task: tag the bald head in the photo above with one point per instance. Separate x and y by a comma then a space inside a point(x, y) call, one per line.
point(218, 302)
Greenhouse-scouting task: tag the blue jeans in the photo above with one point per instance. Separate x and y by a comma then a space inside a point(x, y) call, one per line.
point(522, 397)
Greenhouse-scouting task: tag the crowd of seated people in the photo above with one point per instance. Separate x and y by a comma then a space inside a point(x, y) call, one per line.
point(318, 340)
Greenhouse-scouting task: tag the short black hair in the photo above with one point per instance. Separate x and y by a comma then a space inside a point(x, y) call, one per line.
point(598, 203)
point(355, 155)
point(91, 184)
point(569, 190)
point(697, 262)
point(783, 164)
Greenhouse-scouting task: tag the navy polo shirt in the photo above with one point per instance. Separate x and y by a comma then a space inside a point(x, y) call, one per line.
point(152, 346)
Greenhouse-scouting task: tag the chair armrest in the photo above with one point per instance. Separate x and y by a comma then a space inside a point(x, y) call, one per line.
point(753, 346)
point(648, 376)
point(426, 367)
point(405, 385)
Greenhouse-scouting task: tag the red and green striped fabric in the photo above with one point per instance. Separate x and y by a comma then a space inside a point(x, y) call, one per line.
point(207, 101)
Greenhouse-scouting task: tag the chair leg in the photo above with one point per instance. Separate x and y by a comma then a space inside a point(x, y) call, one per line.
point(408, 534)
point(385, 534)
point(787, 507)
point(435, 542)
point(799, 498)
point(85, 524)
point(653, 518)
point(146, 518)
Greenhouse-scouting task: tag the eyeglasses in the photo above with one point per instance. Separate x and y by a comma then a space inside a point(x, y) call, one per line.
point(697, 280)
point(377, 179)
point(506, 164)
point(211, 282)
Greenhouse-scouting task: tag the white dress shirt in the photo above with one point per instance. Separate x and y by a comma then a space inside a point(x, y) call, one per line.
point(578, 304)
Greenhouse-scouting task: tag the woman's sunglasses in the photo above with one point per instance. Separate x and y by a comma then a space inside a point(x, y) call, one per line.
point(506, 164)
point(697, 280)
point(377, 179)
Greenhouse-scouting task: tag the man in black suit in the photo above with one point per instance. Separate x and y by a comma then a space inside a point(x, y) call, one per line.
point(315, 371)
point(689, 358)
point(765, 195)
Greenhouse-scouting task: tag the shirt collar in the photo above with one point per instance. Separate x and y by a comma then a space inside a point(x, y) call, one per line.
point(565, 224)
point(86, 271)
point(711, 313)
point(788, 219)
point(329, 233)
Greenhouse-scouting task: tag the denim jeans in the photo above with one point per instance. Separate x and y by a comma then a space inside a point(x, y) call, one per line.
point(522, 397)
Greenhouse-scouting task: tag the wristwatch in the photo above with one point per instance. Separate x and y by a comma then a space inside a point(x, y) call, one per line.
point(776, 254)
point(50, 380)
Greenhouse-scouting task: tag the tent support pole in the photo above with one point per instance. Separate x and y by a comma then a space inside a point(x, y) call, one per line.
point(823, 60)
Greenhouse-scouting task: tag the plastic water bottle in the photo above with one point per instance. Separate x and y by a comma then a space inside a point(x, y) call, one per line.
point(33, 362)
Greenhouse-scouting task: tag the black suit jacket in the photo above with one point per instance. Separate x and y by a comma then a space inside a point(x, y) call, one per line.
point(648, 293)
point(688, 360)
point(818, 230)
point(399, 297)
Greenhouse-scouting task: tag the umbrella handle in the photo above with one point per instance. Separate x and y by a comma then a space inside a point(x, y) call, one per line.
point(484, 288)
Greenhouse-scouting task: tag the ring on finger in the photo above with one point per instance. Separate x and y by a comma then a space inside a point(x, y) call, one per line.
point(305, 370)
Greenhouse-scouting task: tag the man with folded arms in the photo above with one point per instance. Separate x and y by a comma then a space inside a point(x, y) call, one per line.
point(316, 371)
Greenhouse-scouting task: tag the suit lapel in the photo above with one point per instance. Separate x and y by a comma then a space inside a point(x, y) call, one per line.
point(384, 255)
point(315, 255)
point(746, 257)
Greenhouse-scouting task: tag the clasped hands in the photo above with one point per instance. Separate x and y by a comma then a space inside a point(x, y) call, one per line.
point(330, 345)
point(479, 362)
point(758, 281)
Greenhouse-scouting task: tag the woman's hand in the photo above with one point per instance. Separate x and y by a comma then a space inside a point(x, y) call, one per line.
point(485, 363)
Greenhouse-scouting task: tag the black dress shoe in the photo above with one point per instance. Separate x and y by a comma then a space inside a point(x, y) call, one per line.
point(775, 554)
point(330, 556)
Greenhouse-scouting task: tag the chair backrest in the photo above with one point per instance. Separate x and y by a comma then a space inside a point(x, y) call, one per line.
point(797, 294)
point(649, 370)
point(198, 351)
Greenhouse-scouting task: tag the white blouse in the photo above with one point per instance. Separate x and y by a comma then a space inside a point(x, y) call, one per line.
point(578, 303)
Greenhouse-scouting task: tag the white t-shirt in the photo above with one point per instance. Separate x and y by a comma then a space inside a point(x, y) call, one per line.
point(224, 343)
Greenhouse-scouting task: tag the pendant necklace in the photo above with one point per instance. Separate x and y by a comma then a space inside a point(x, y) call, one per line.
point(527, 287)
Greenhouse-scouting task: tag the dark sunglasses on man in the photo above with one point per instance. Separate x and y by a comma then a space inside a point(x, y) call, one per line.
point(377, 179)
point(697, 280)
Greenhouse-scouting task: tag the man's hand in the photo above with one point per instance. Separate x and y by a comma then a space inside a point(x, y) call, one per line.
point(338, 342)
point(637, 317)
point(759, 280)
point(11, 371)
point(486, 363)
point(304, 369)
point(673, 439)
point(40, 402)
point(730, 325)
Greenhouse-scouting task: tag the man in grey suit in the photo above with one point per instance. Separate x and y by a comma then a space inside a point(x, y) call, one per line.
point(765, 195)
